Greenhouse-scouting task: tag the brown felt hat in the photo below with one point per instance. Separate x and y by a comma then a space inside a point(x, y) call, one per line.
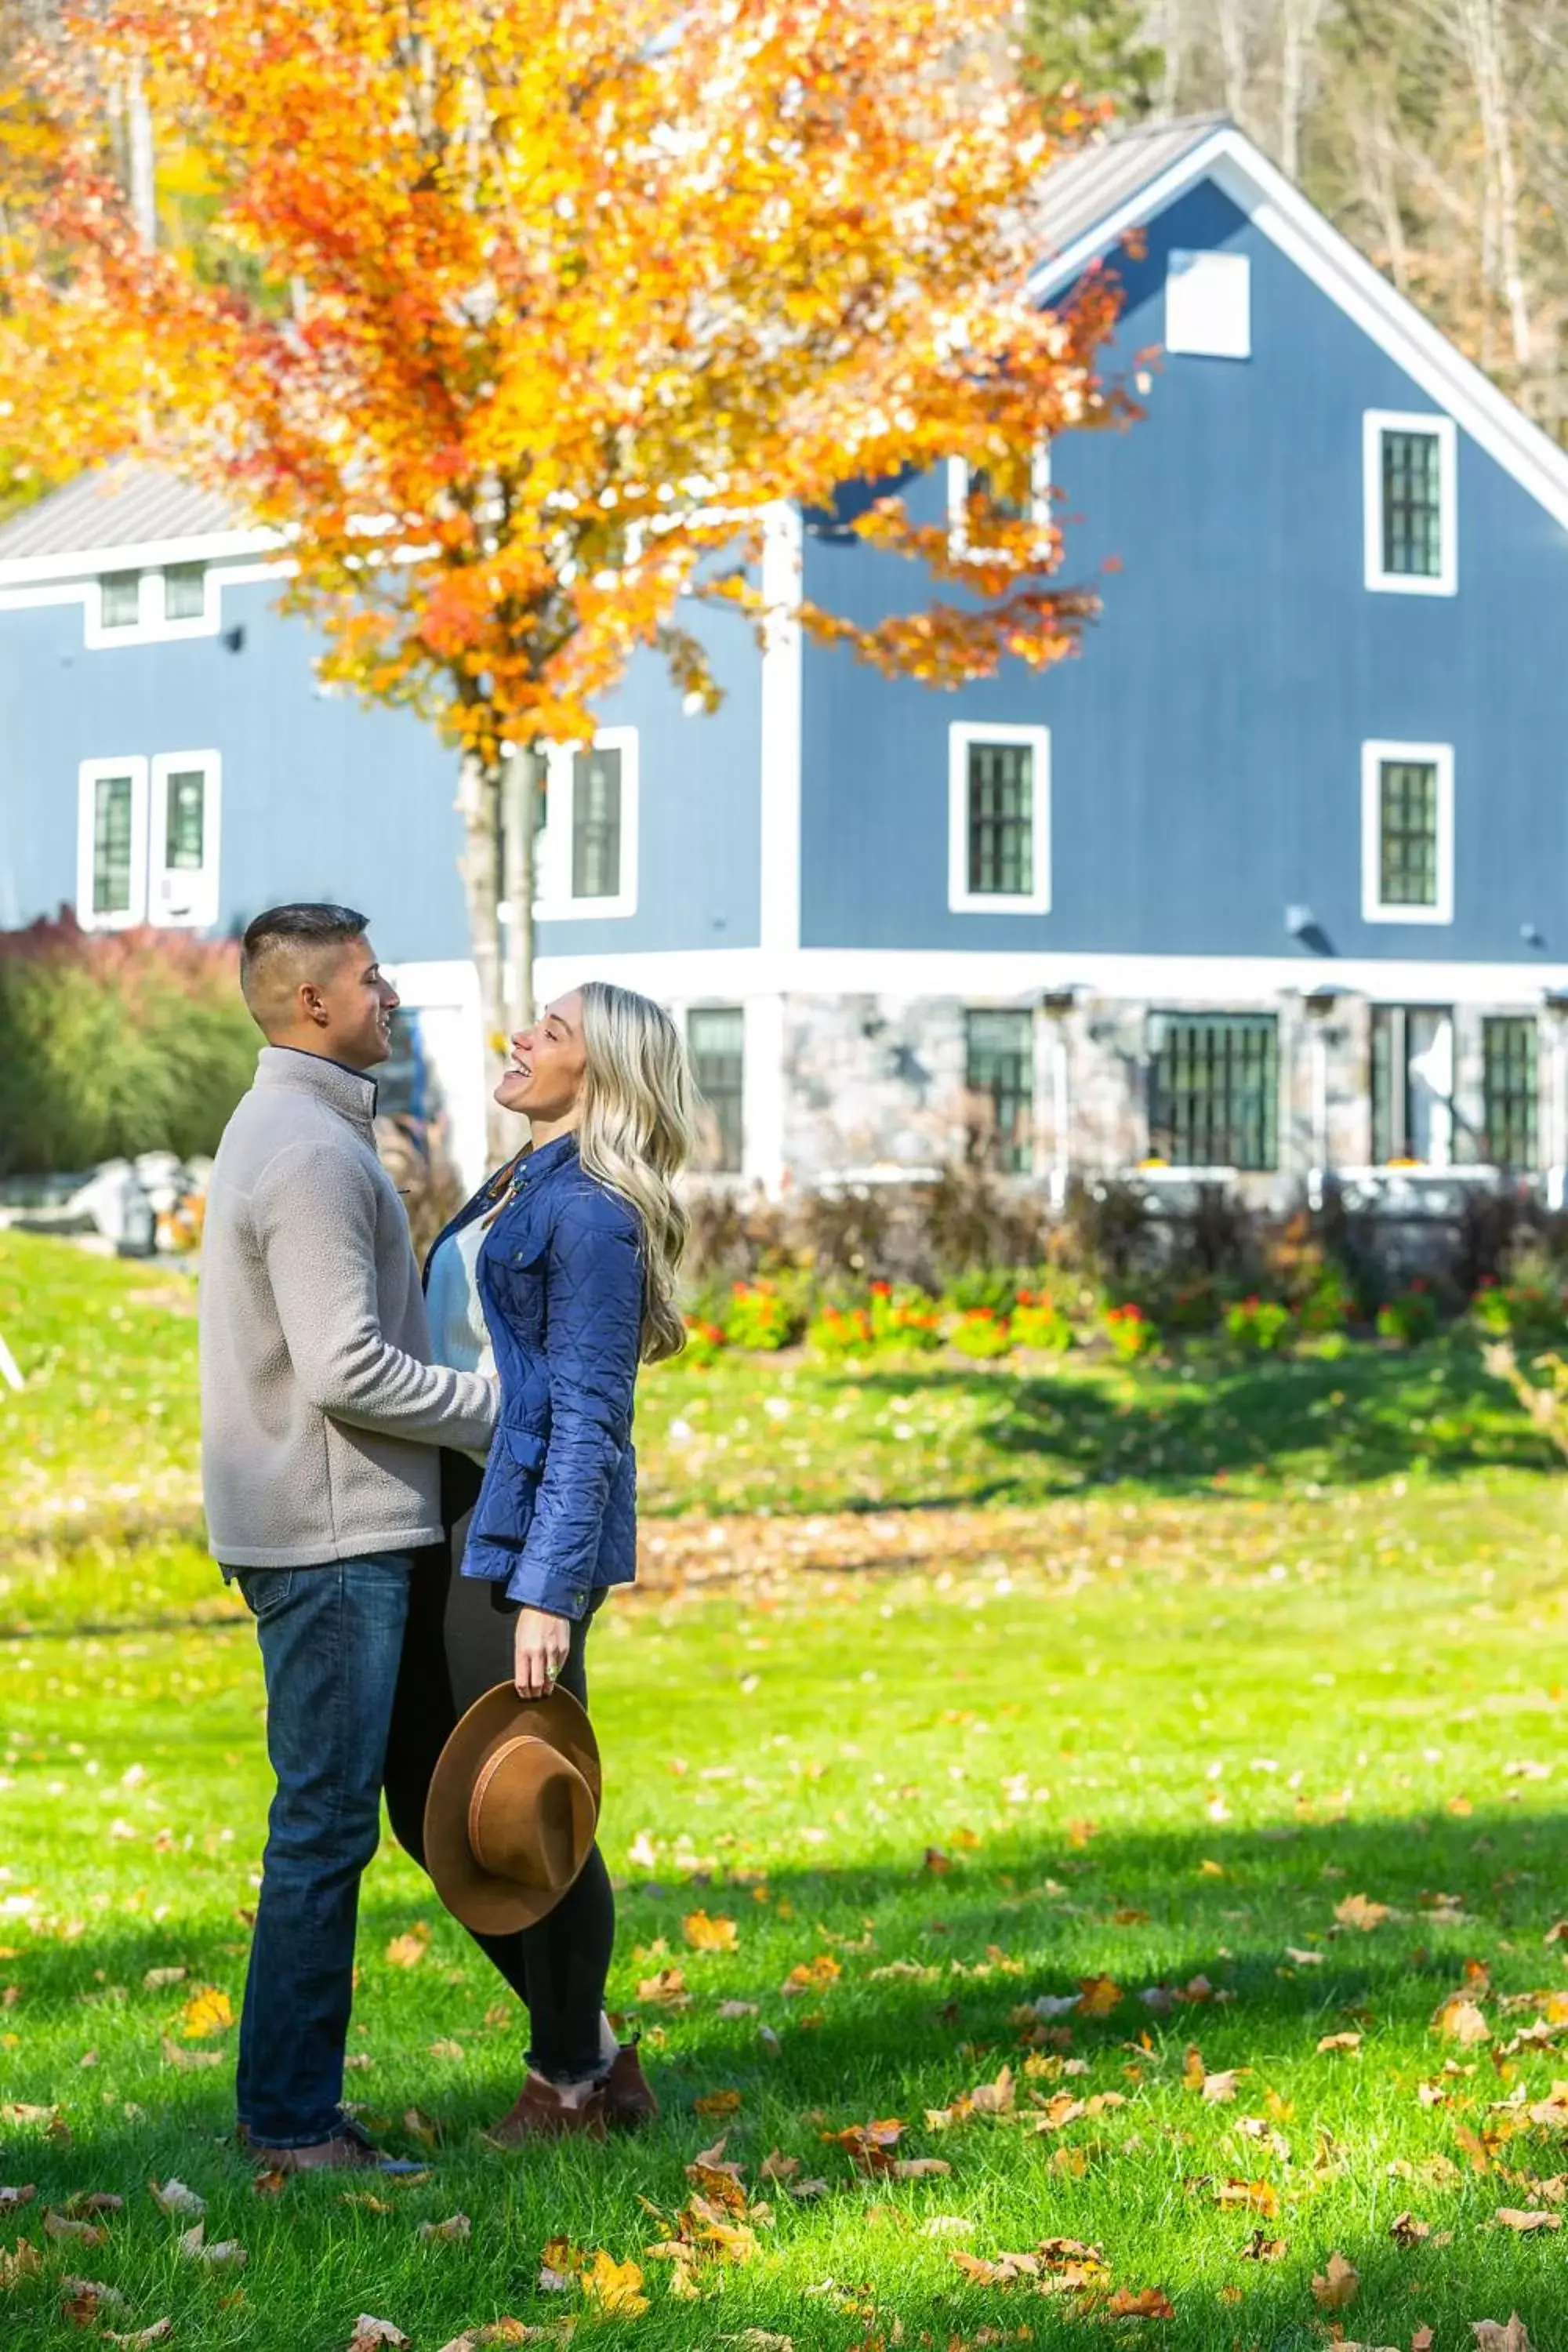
point(512, 1808)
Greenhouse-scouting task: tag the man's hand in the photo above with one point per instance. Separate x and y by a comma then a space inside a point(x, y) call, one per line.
point(540, 1645)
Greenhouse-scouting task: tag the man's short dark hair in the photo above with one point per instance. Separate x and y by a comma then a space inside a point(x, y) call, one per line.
point(290, 937)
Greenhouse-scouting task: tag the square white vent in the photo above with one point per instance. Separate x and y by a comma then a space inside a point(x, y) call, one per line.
point(1208, 305)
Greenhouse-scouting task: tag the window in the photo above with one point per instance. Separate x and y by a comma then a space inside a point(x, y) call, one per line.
point(1509, 1089)
point(1410, 504)
point(1214, 1089)
point(999, 1067)
point(999, 820)
point(111, 844)
point(147, 842)
point(151, 606)
point(588, 850)
point(1017, 488)
point(185, 831)
point(716, 1038)
point(1412, 1084)
point(1208, 305)
point(186, 591)
point(120, 600)
point(1407, 833)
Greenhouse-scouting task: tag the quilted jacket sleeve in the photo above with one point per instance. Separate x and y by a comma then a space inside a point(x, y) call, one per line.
point(593, 1294)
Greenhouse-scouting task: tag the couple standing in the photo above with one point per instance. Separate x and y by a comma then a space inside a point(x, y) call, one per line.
point(424, 1502)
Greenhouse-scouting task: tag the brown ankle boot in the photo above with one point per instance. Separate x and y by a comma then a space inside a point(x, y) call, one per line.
point(629, 2102)
point(540, 2113)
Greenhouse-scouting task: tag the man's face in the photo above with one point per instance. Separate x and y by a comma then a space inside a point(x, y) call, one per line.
point(359, 1002)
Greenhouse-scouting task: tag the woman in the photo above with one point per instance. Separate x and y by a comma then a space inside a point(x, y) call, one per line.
point(564, 1263)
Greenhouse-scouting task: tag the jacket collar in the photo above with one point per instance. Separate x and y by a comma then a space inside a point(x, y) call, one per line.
point(348, 1092)
point(516, 1178)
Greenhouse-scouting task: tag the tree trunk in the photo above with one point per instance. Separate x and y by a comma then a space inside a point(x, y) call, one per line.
point(519, 837)
point(479, 805)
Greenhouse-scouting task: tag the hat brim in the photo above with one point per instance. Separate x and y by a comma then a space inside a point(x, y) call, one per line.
point(489, 1905)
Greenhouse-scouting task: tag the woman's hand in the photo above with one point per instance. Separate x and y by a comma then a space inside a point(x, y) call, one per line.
point(539, 1643)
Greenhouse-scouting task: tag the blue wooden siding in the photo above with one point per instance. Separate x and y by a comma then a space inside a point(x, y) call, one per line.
point(1206, 742)
point(323, 798)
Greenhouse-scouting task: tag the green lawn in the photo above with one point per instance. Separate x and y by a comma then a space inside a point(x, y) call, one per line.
point(1203, 1662)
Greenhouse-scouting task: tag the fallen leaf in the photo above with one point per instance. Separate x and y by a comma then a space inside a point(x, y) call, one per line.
point(24, 2261)
point(1459, 2020)
point(920, 2168)
point(994, 2098)
point(173, 2197)
point(156, 1979)
point(776, 2166)
point(1491, 2336)
point(1219, 2089)
point(141, 2338)
point(1304, 1959)
point(227, 2253)
point(1262, 2249)
point(1339, 2042)
point(1098, 1996)
point(369, 2333)
point(10, 2198)
point(1259, 2196)
point(613, 2287)
point(406, 1952)
point(717, 2103)
point(1406, 2230)
point(1355, 1911)
point(174, 2056)
point(809, 1975)
point(1510, 2216)
point(706, 1934)
point(728, 2008)
point(452, 2231)
point(666, 1989)
point(558, 2266)
point(1335, 2289)
point(936, 1862)
point(1140, 2303)
point(206, 2013)
point(273, 2183)
point(805, 2189)
point(446, 2050)
point(422, 2127)
point(63, 2225)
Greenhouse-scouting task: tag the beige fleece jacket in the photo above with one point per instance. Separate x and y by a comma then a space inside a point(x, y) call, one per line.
point(322, 1414)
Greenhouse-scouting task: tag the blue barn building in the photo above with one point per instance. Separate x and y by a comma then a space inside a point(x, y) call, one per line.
point(1272, 877)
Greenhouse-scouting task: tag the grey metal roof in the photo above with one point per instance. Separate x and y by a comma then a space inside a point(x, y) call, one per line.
point(1091, 185)
point(126, 504)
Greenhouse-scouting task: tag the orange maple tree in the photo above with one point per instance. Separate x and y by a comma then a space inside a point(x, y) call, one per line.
point(528, 324)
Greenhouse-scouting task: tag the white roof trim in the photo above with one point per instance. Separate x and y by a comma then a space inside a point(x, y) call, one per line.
point(1290, 221)
point(145, 555)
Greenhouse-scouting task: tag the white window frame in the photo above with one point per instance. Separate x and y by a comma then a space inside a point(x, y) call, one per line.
point(1218, 265)
point(1373, 756)
point(958, 473)
point(960, 899)
point(89, 775)
point(555, 903)
point(151, 626)
point(1375, 422)
point(200, 913)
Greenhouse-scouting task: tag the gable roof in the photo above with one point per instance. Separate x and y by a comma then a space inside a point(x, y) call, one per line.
point(128, 507)
point(1092, 201)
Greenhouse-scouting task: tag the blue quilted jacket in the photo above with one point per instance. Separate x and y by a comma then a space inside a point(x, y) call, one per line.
point(561, 1281)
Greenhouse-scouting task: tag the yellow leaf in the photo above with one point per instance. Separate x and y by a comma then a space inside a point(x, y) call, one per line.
point(1098, 1996)
point(718, 2102)
point(1335, 2288)
point(614, 2287)
point(406, 1952)
point(206, 2013)
point(706, 1934)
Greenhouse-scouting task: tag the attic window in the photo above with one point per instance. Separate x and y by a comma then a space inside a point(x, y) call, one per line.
point(1208, 305)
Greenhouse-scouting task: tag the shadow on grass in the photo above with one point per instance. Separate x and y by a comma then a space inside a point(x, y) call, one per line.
point(1363, 1416)
point(870, 2045)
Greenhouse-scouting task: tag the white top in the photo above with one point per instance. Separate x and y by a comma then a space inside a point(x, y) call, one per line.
point(459, 1336)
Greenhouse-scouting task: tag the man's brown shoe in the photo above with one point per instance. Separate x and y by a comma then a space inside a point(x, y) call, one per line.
point(540, 2113)
point(344, 2152)
point(629, 2102)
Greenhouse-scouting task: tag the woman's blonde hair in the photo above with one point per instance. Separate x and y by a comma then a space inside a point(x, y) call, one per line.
point(636, 1134)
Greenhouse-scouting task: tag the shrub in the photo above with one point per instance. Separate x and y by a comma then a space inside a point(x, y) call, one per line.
point(1039, 1324)
point(1129, 1331)
point(1105, 1229)
point(1327, 1306)
point(1409, 1317)
point(1533, 1311)
point(980, 1332)
point(840, 1331)
point(903, 1317)
point(704, 1340)
point(117, 1043)
point(972, 1219)
point(1193, 1306)
point(1260, 1326)
point(843, 1231)
point(760, 1315)
point(990, 1286)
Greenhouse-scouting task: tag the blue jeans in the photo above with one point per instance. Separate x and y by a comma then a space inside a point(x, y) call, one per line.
point(331, 1640)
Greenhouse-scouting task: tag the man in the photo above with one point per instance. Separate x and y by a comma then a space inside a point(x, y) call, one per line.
point(322, 1417)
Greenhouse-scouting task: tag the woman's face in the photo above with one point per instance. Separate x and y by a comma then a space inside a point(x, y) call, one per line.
point(544, 1079)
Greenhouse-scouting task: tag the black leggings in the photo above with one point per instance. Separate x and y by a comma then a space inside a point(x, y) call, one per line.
point(458, 1644)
